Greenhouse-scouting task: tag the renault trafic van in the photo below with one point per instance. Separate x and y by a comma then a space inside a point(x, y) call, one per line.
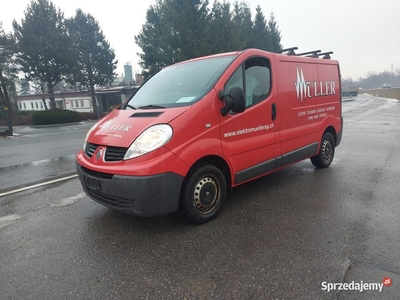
point(200, 127)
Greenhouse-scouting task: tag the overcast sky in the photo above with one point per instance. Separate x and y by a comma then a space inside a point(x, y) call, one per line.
point(364, 35)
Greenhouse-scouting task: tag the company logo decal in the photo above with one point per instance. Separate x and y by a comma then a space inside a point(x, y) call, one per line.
point(301, 85)
point(309, 89)
point(99, 153)
point(110, 125)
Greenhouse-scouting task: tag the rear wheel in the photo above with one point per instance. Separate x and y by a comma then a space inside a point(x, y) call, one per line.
point(204, 194)
point(326, 152)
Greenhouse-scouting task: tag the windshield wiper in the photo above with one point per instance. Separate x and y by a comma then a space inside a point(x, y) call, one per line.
point(150, 106)
point(130, 106)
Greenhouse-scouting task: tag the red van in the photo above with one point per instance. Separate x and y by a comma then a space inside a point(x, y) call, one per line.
point(200, 127)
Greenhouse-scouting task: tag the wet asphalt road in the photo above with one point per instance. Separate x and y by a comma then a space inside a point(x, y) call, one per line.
point(37, 144)
point(39, 154)
point(278, 237)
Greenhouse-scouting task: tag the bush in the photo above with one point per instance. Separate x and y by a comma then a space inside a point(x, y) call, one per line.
point(23, 112)
point(21, 119)
point(54, 116)
point(87, 116)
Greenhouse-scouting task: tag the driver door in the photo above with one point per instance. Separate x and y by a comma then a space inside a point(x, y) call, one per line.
point(248, 138)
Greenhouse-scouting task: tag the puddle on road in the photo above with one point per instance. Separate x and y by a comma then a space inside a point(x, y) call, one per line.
point(50, 160)
point(67, 201)
point(39, 162)
point(27, 174)
point(8, 220)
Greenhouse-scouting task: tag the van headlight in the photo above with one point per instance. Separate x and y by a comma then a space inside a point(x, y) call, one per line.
point(149, 140)
point(87, 135)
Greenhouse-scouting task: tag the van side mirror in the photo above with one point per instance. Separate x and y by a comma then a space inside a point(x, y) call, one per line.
point(234, 101)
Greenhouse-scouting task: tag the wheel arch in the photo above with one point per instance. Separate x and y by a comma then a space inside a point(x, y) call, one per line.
point(215, 160)
point(332, 131)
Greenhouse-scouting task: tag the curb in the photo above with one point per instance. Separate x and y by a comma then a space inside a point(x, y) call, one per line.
point(61, 124)
point(3, 137)
point(37, 182)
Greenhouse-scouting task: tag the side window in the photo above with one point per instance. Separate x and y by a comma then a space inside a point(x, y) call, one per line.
point(235, 80)
point(258, 80)
point(256, 84)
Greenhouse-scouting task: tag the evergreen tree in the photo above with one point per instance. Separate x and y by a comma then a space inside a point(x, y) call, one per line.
point(175, 30)
point(242, 19)
point(39, 88)
point(224, 34)
point(44, 45)
point(8, 68)
point(95, 58)
point(155, 54)
point(261, 33)
point(275, 34)
point(188, 21)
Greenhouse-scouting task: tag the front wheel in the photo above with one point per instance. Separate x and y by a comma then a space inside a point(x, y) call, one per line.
point(204, 194)
point(326, 152)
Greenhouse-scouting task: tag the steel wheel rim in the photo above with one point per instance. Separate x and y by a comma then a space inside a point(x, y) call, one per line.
point(327, 151)
point(206, 194)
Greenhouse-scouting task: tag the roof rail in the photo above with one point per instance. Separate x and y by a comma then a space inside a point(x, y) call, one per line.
point(313, 53)
point(326, 54)
point(290, 51)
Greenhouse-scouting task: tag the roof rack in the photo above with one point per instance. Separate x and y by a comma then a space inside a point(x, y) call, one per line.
point(290, 51)
point(314, 53)
point(326, 54)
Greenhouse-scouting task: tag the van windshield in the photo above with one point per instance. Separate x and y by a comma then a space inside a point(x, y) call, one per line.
point(181, 84)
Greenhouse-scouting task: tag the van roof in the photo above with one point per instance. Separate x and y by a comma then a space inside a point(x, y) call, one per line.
point(288, 52)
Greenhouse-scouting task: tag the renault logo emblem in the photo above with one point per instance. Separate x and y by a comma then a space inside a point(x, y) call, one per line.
point(99, 153)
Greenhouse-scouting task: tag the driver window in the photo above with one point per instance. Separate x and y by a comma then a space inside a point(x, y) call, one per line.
point(256, 84)
point(258, 80)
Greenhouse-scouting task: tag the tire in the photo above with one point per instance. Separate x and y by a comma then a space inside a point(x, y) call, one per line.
point(204, 194)
point(326, 152)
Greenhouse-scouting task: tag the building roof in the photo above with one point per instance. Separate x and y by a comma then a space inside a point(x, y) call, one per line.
point(117, 89)
point(73, 93)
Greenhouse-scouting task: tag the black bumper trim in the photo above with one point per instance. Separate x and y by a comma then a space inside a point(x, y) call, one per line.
point(138, 195)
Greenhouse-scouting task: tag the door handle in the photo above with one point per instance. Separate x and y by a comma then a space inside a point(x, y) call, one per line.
point(273, 112)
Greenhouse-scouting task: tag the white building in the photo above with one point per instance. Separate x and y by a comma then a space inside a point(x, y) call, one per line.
point(107, 99)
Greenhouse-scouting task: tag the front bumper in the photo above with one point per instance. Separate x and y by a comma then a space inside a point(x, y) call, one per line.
point(138, 195)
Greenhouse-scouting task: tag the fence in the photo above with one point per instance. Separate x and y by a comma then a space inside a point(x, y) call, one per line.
point(5, 122)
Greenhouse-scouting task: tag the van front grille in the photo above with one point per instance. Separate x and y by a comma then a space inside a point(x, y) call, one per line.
point(115, 153)
point(112, 153)
point(90, 149)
